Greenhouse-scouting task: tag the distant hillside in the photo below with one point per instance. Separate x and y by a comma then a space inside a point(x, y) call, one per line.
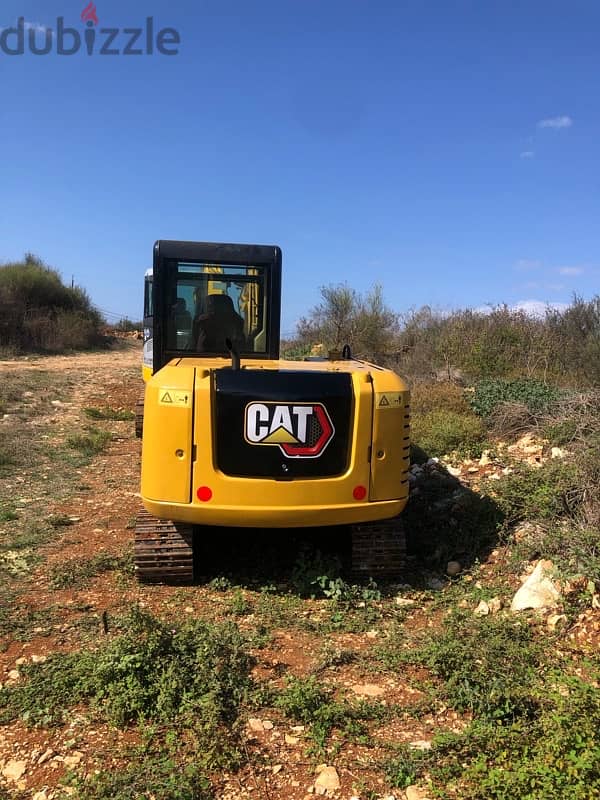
point(39, 313)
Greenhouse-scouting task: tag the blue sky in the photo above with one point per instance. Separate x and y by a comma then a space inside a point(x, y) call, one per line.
point(447, 150)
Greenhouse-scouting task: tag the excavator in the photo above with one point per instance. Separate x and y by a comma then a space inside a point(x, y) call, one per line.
point(233, 435)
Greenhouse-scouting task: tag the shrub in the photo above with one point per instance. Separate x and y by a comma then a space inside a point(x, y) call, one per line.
point(441, 432)
point(537, 396)
point(38, 312)
point(426, 397)
point(546, 492)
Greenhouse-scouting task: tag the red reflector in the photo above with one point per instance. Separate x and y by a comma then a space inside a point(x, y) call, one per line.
point(204, 494)
point(359, 492)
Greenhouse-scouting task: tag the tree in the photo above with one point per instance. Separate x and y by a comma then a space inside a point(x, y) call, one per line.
point(345, 316)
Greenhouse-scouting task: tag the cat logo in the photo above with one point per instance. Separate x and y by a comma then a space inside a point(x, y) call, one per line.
point(300, 430)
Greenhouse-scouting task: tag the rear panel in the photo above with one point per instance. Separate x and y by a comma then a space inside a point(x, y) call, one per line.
point(282, 424)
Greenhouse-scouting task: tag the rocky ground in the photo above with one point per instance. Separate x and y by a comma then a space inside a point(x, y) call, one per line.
point(68, 489)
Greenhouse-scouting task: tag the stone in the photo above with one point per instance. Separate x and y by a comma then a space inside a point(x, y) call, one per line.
point(556, 621)
point(538, 591)
point(415, 792)
point(291, 740)
point(13, 676)
point(435, 584)
point(328, 781)
point(14, 770)
point(45, 756)
point(40, 795)
point(482, 609)
point(267, 724)
point(256, 725)
point(38, 659)
point(495, 605)
point(485, 459)
point(276, 768)
point(404, 601)
point(20, 661)
point(557, 452)
point(368, 689)
point(74, 759)
point(456, 472)
point(420, 744)
point(453, 568)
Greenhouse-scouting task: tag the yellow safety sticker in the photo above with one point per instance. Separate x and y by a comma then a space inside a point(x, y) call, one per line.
point(170, 397)
point(388, 399)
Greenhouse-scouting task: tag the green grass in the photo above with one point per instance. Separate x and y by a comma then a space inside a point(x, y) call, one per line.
point(116, 414)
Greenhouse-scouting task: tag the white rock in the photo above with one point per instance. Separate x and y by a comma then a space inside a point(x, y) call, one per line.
point(256, 725)
point(415, 792)
point(557, 452)
point(267, 724)
point(404, 601)
point(368, 689)
point(556, 621)
point(328, 781)
point(74, 759)
point(14, 770)
point(538, 591)
point(495, 605)
point(485, 459)
point(40, 795)
point(482, 609)
point(420, 744)
point(453, 568)
point(39, 659)
point(45, 756)
point(454, 471)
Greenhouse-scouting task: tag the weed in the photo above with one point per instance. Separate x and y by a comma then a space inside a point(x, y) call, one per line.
point(403, 769)
point(488, 666)
point(309, 568)
point(306, 700)
point(238, 605)
point(60, 521)
point(195, 676)
point(8, 516)
point(91, 443)
point(77, 573)
point(155, 772)
point(220, 584)
point(116, 414)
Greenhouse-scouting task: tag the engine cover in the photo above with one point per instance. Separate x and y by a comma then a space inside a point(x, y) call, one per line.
point(282, 424)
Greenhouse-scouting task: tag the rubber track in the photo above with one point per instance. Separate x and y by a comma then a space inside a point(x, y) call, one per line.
point(379, 549)
point(163, 550)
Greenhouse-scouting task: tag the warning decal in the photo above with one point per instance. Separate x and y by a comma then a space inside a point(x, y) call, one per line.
point(170, 397)
point(388, 399)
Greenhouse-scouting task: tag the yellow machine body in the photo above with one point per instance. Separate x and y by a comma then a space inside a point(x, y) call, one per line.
point(182, 480)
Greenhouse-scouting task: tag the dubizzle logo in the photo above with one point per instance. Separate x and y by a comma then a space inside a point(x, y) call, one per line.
point(300, 430)
point(40, 40)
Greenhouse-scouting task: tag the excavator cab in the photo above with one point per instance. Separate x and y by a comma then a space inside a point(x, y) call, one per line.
point(235, 436)
point(214, 300)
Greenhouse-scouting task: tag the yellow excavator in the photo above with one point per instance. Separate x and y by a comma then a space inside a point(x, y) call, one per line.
point(233, 435)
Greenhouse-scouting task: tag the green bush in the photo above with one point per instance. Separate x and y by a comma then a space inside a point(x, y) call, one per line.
point(440, 432)
point(38, 312)
point(537, 396)
point(546, 492)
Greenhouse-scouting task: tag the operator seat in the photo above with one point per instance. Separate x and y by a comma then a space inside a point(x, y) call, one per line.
point(220, 322)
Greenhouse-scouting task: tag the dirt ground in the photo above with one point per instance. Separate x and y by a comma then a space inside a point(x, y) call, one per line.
point(97, 501)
